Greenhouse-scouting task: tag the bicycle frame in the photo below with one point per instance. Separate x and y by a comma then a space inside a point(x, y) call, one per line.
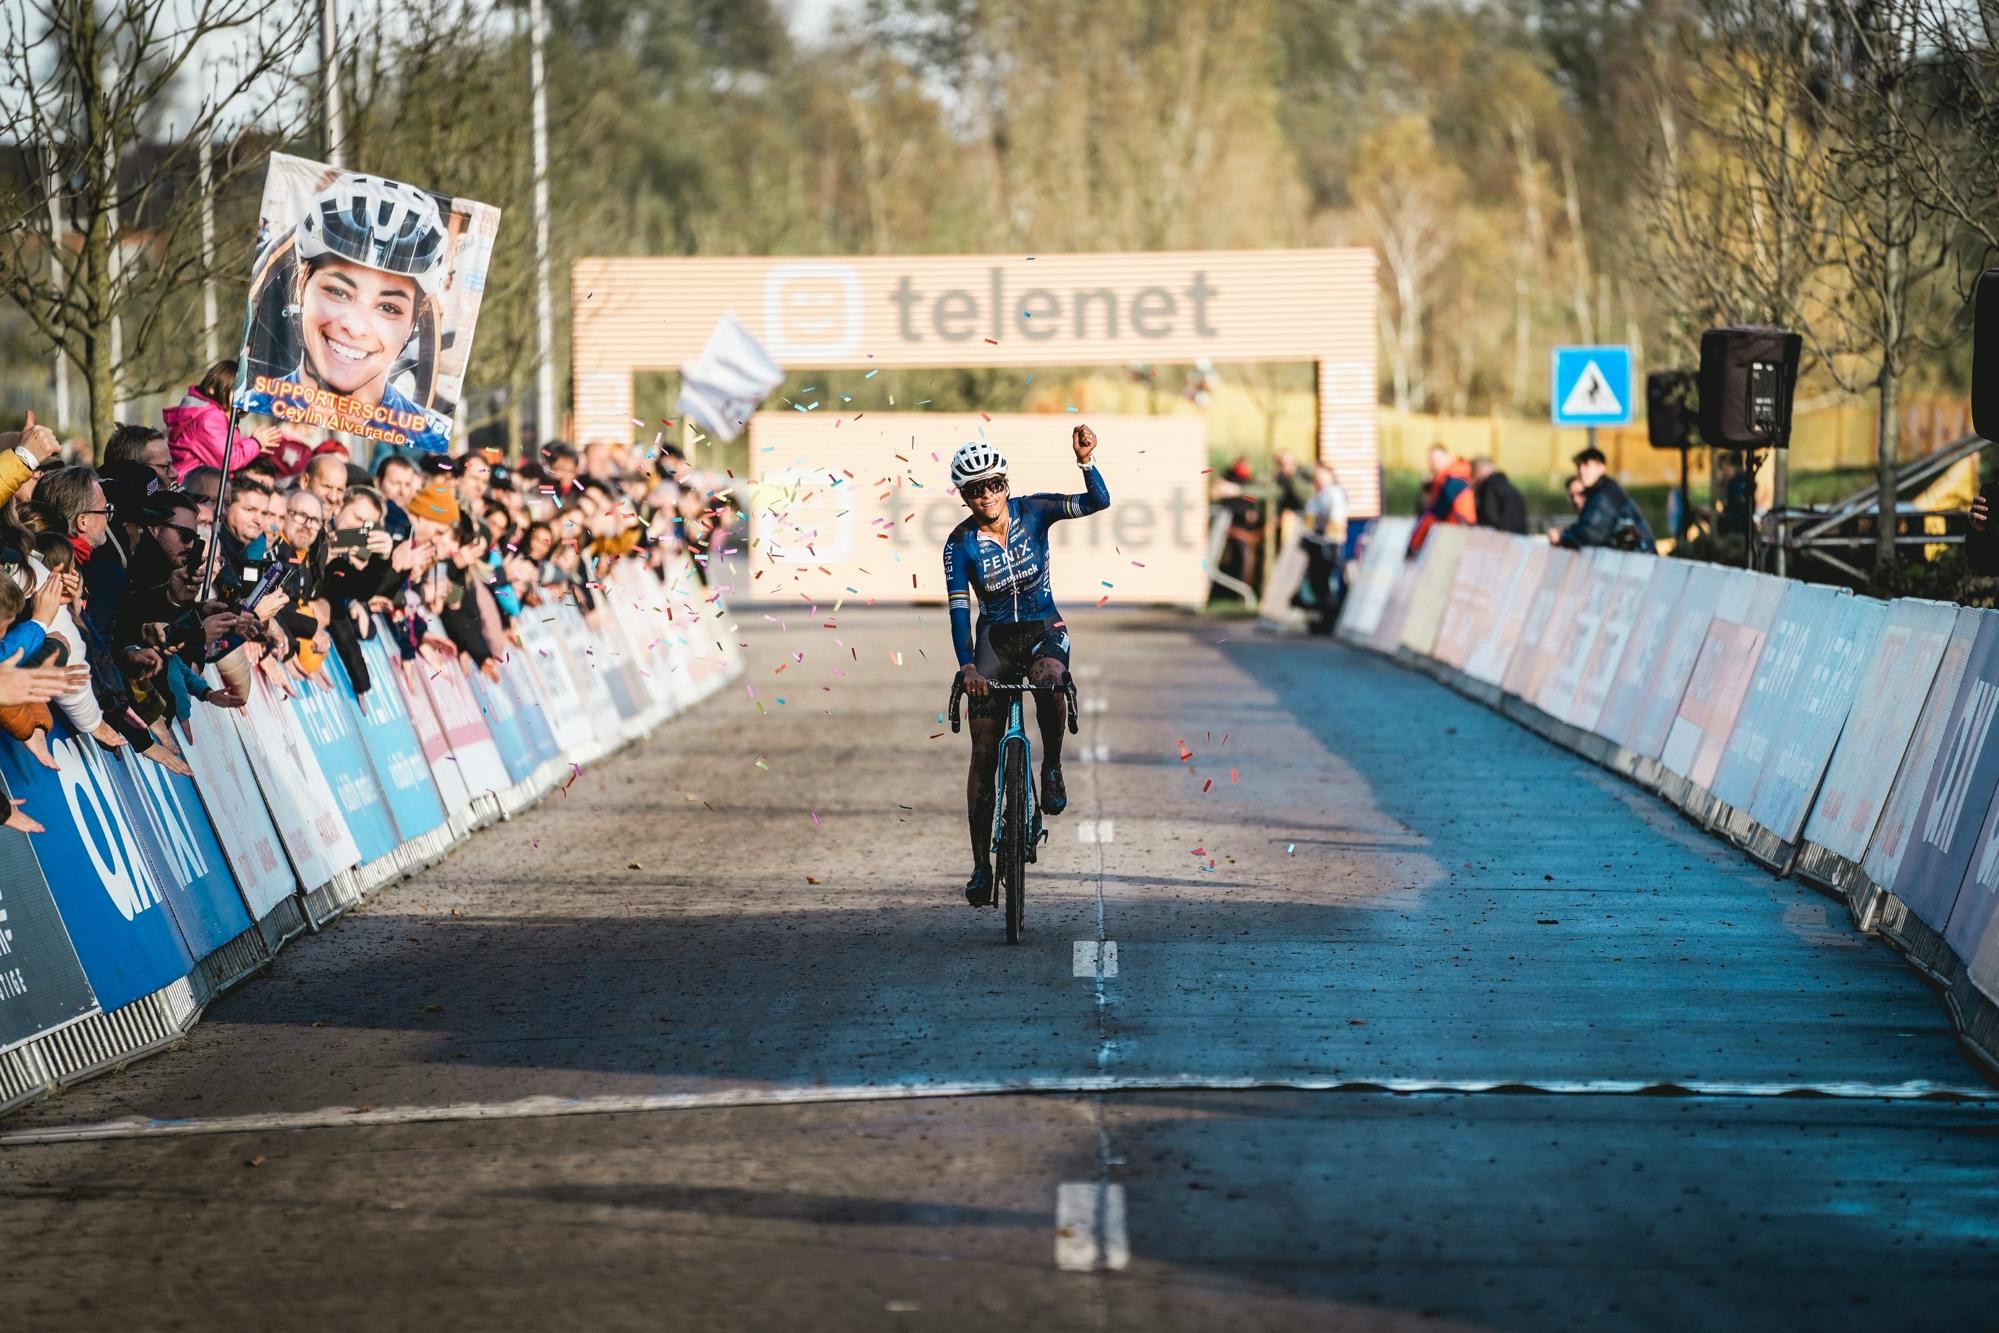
point(1016, 734)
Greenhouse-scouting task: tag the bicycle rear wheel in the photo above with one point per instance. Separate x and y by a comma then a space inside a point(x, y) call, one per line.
point(1013, 844)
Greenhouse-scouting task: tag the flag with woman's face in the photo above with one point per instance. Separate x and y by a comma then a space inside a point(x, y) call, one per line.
point(362, 303)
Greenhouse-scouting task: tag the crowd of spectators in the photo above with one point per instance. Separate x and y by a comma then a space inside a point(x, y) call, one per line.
point(1478, 494)
point(122, 582)
point(1313, 513)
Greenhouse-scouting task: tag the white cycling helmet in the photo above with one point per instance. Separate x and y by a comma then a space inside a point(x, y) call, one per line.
point(975, 462)
point(383, 224)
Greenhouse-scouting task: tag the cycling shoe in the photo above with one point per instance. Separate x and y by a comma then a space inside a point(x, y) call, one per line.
point(1054, 796)
point(979, 888)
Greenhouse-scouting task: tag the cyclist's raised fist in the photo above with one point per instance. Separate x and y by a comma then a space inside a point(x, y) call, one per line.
point(1085, 441)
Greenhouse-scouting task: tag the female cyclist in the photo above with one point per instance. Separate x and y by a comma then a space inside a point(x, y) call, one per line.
point(1000, 554)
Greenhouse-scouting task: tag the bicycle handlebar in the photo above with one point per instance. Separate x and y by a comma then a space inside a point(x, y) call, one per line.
point(1067, 687)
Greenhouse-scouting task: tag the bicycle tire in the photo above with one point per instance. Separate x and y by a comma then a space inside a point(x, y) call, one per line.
point(1013, 845)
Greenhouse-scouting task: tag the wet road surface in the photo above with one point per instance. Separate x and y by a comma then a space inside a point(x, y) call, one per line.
point(710, 1042)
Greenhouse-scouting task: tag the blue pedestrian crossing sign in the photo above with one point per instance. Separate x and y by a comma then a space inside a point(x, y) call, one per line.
point(1592, 386)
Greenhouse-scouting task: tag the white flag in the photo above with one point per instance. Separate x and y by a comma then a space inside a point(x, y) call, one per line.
point(724, 385)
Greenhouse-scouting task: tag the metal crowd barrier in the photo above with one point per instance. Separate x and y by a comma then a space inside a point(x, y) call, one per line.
point(150, 894)
point(1846, 740)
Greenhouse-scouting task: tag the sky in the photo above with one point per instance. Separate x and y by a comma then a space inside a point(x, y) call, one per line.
point(810, 19)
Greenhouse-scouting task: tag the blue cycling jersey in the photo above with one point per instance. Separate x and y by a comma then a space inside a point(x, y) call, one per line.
point(1011, 577)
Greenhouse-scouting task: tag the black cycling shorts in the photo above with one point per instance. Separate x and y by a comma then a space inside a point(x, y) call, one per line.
point(1004, 652)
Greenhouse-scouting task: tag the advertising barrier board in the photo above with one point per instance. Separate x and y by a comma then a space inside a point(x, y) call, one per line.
point(1948, 818)
point(517, 681)
point(1803, 746)
point(1594, 578)
point(323, 709)
point(1488, 563)
point(1631, 578)
point(576, 646)
point(1893, 832)
point(302, 806)
point(1491, 655)
point(1900, 668)
point(236, 808)
point(562, 700)
point(452, 787)
point(1431, 597)
point(1807, 620)
point(1970, 931)
point(173, 838)
point(475, 755)
point(496, 709)
point(116, 916)
point(1651, 636)
point(42, 985)
point(1374, 576)
point(395, 754)
point(1547, 623)
point(1720, 678)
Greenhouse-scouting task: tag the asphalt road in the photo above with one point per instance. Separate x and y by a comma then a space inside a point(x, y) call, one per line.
point(1401, 998)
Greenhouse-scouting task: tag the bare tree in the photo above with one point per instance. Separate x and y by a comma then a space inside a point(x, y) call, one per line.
point(1734, 178)
point(1883, 239)
point(103, 238)
point(1780, 169)
point(1406, 194)
point(1949, 124)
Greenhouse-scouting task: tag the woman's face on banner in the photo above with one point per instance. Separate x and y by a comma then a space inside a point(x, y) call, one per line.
point(355, 321)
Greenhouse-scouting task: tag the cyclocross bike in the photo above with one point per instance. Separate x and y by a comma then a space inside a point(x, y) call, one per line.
point(1016, 814)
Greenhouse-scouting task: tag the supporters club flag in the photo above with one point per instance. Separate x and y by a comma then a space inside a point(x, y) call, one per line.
point(363, 300)
point(734, 373)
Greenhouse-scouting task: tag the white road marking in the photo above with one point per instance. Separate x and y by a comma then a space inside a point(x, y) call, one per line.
point(1096, 704)
point(1087, 670)
point(1089, 953)
point(541, 1108)
point(1090, 754)
point(1093, 830)
point(1089, 1227)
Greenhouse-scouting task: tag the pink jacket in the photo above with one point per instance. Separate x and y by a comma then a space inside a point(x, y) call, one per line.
point(195, 431)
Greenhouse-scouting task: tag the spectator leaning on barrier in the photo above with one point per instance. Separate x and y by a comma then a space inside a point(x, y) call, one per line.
point(1608, 517)
point(1325, 516)
point(30, 558)
point(22, 453)
point(143, 445)
point(398, 480)
point(563, 466)
point(1498, 501)
point(301, 544)
point(326, 477)
point(1449, 498)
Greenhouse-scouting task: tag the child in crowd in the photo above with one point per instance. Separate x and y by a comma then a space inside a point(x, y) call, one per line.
point(26, 642)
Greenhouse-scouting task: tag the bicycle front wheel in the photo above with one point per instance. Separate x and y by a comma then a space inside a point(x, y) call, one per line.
point(1013, 845)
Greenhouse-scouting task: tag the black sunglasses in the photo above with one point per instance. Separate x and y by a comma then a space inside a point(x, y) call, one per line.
point(972, 490)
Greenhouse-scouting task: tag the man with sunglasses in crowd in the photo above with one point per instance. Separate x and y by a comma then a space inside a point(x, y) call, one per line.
point(1000, 555)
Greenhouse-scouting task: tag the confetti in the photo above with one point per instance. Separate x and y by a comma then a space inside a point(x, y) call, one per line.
point(1206, 785)
point(1234, 777)
point(815, 820)
point(1290, 849)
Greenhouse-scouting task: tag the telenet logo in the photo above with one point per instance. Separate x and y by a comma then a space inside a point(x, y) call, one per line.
point(815, 310)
